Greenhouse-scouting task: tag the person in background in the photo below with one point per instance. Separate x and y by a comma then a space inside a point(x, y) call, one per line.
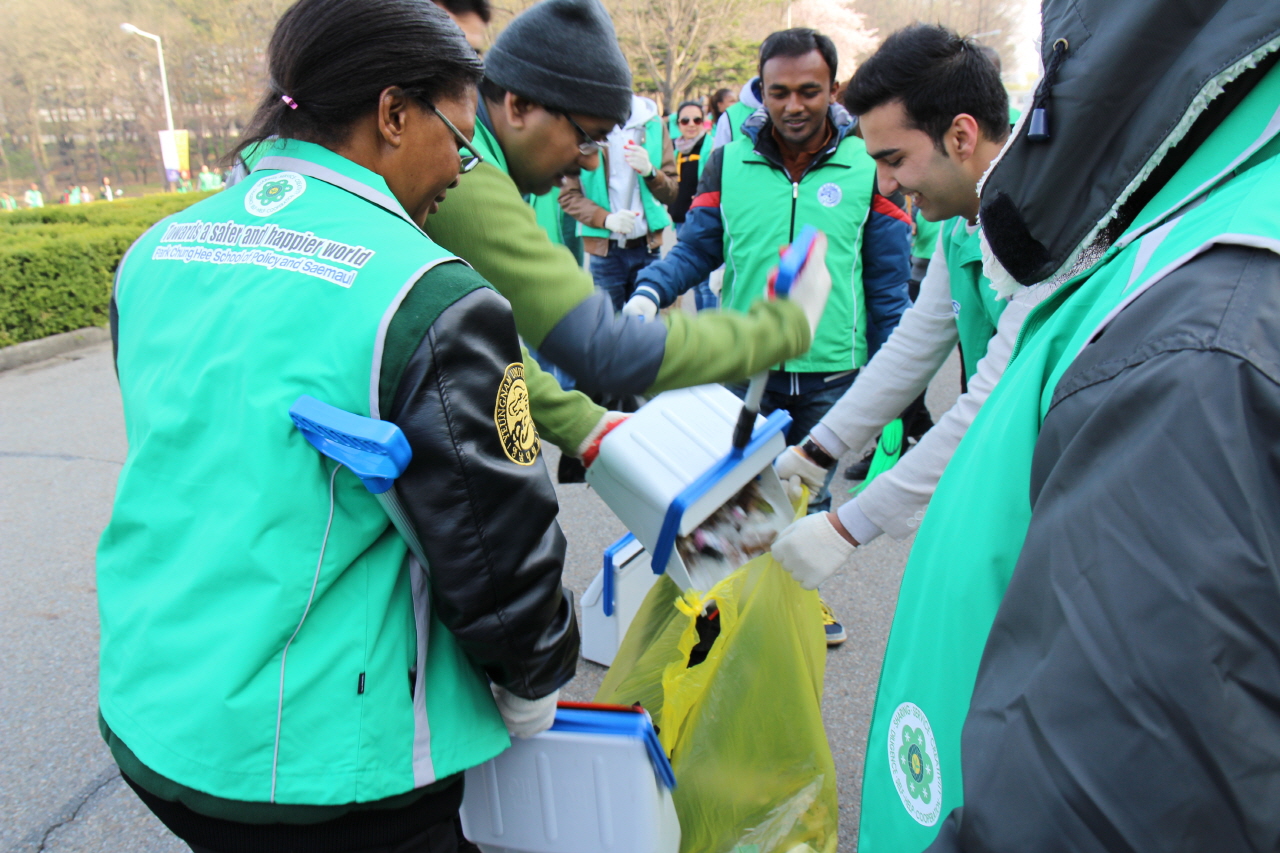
point(86, 195)
point(729, 124)
point(184, 181)
point(693, 147)
point(472, 17)
point(8, 202)
point(105, 192)
point(621, 206)
point(720, 101)
point(71, 195)
point(359, 684)
point(208, 179)
point(33, 197)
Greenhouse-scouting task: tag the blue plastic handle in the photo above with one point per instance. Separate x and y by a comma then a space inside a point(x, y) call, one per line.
point(376, 451)
point(619, 723)
point(793, 260)
point(774, 424)
point(610, 570)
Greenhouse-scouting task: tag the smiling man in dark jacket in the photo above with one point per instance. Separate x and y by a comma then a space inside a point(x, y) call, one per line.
point(797, 164)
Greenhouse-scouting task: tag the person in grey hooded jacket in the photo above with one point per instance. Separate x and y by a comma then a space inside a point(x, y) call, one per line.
point(1128, 697)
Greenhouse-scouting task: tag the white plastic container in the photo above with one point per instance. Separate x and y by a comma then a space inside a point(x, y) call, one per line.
point(573, 791)
point(605, 619)
point(669, 466)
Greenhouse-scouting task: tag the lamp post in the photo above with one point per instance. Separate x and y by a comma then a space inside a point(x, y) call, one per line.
point(164, 78)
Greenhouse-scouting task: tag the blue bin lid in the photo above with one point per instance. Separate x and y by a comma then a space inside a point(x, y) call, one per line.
point(617, 721)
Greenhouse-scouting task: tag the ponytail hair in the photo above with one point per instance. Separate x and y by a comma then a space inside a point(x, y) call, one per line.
point(330, 60)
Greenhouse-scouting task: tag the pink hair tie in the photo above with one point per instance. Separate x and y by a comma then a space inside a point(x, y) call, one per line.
point(293, 105)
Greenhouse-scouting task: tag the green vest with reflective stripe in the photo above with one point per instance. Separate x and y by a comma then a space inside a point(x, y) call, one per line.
point(949, 595)
point(976, 306)
point(762, 210)
point(224, 549)
point(595, 184)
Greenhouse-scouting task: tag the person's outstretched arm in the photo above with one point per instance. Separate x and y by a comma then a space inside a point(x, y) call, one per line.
point(557, 310)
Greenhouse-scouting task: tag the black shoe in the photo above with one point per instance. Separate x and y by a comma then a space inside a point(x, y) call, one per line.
point(860, 469)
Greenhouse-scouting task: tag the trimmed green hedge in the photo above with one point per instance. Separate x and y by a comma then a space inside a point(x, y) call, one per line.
point(57, 263)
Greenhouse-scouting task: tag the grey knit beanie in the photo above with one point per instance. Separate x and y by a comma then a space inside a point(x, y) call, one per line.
point(564, 54)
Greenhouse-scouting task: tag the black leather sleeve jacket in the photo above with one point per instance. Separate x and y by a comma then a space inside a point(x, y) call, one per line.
point(487, 523)
point(1129, 694)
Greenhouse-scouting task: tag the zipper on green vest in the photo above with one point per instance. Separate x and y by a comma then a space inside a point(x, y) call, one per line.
point(795, 195)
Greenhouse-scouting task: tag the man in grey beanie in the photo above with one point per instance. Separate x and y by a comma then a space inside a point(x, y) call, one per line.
point(556, 83)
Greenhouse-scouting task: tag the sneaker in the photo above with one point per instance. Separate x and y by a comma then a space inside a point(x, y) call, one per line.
point(835, 631)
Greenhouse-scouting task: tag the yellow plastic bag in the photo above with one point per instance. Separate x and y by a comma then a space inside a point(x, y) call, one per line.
point(743, 728)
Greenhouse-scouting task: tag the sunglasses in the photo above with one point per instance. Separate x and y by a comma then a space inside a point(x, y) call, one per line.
point(472, 157)
point(691, 120)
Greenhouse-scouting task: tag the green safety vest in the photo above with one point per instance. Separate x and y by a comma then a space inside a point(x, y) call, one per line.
point(971, 537)
point(976, 306)
point(280, 286)
point(595, 185)
point(762, 210)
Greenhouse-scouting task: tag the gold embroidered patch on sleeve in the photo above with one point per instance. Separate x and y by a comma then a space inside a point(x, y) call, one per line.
point(514, 420)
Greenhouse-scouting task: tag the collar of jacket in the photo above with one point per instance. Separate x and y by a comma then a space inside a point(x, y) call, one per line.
point(316, 161)
point(759, 126)
point(485, 140)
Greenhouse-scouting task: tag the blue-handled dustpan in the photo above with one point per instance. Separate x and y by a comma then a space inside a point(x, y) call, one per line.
point(375, 451)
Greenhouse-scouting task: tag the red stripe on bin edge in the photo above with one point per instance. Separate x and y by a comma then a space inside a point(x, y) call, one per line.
point(706, 200)
point(880, 204)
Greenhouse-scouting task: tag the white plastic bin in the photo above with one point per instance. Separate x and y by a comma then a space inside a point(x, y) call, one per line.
point(669, 466)
point(614, 597)
point(596, 783)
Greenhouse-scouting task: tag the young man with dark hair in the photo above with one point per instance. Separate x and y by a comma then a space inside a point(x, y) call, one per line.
point(933, 114)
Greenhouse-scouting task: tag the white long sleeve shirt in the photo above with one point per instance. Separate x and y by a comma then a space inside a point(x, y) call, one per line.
point(895, 501)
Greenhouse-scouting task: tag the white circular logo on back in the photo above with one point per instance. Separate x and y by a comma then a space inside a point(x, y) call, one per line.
point(829, 195)
point(274, 192)
point(913, 764)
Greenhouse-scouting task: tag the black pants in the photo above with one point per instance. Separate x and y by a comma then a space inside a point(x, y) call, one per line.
point(430, 824)
point(443, 837)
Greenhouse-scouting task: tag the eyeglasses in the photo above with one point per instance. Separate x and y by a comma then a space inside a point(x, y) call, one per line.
point(589, 145)
point(691, 120)
point(473, 157)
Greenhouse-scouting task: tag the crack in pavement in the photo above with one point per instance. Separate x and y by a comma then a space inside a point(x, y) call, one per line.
point(65, 457)
point(35, 842)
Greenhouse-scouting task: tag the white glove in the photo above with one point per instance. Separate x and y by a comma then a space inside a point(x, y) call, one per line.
point(813, 285)
point(640, 306)
point(812, 550)
point(792, 462)
point(525, 717)
point(622, 221)
point(638, 159)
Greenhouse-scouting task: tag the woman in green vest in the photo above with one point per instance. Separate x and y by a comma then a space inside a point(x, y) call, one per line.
point(277, 673)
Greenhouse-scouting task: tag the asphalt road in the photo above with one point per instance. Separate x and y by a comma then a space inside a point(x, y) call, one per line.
point(61, 449)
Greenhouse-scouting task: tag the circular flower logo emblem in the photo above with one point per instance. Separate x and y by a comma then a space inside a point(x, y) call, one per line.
point(917, 766)
point(913, 764)
point(274, 192)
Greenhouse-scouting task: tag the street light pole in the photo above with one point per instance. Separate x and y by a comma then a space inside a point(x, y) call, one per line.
point(164, 78)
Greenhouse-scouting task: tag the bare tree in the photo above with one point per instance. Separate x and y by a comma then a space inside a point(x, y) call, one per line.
point(669, 39)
